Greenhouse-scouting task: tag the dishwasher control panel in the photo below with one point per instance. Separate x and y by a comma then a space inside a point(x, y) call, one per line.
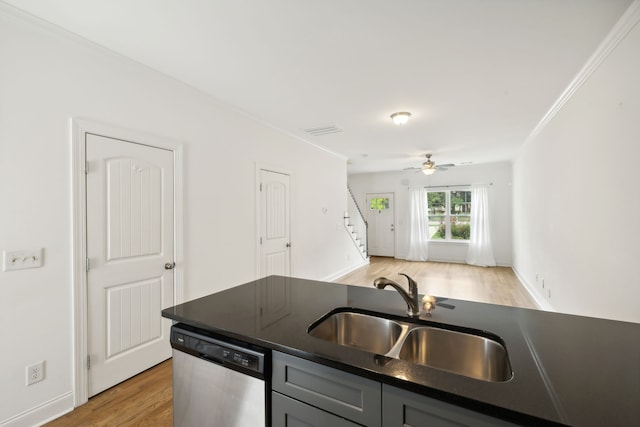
point(217, 350)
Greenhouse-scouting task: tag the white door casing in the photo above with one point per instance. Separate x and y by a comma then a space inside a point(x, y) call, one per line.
point(381, 236)
point(274, 220)
point(130, 238)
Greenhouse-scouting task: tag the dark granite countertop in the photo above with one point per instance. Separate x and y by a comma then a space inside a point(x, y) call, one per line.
point(567, 369)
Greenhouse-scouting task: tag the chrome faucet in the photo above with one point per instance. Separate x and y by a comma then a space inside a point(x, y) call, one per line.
point(411, 297)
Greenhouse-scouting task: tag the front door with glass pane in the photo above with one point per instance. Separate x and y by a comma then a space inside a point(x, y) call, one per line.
point(380, 216)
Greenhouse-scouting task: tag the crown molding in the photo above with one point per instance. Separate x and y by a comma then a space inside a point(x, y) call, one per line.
point(625, 24)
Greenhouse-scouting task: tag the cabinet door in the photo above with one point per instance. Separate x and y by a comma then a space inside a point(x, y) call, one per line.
point(403, 408)
point(346, 395)
point(288, 412)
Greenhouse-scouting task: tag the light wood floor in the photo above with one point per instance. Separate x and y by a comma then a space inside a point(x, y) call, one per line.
point(494, 285)
point(145, 400)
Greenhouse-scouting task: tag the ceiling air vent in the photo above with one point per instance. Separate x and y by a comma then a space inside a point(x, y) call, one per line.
point(322, 130)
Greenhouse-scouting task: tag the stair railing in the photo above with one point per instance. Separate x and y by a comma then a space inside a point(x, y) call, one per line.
point(358, 221)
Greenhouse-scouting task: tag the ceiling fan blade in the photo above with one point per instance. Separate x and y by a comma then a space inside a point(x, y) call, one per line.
point(448, 165)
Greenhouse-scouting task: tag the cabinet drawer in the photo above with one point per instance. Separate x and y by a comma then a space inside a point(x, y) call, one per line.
point(288, 412)
point(403, 408)
point(340, 393)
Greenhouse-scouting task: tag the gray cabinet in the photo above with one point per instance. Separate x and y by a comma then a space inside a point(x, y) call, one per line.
point(345, 395)
point(293, 413)
point(309, 394)
point(403, 408)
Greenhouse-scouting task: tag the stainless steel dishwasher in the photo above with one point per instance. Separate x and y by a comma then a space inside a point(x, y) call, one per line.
point(216, 381)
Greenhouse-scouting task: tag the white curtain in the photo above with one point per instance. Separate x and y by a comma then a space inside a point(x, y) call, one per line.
point(418, 225)
point(480, 250)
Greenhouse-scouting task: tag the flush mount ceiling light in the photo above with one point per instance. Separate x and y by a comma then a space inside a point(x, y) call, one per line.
point(400, 118)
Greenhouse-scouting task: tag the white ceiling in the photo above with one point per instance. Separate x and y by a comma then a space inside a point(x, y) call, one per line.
point(477, 75)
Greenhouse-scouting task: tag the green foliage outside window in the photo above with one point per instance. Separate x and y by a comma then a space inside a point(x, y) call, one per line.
point(450, 209)
point(459, 231)
point(379, 203)
point(460, 202)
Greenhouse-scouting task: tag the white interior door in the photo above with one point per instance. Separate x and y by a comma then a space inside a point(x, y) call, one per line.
point(275, 233)
point(380, 216)
point(130, 238)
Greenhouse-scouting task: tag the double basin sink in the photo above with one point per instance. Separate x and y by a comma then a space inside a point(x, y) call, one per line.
point(471, 353)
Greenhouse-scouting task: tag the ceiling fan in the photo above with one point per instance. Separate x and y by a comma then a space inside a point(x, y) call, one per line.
point(429, 167)
point(429, 303)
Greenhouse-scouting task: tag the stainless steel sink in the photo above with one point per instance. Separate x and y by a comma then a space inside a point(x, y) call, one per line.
point(370, 333)
point(469, 354)
point(465, 354)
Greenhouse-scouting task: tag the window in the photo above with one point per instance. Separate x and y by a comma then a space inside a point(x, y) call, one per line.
point(379, 203)
point(449, 214)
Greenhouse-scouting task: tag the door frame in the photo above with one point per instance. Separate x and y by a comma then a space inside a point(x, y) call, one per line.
point(80, 127)
point(275, 169)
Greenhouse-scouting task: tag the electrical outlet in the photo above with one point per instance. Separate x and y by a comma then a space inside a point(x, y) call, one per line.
point(35, 373)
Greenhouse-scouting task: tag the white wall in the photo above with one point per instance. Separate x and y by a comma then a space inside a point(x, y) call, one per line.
point(576, 200)
point(47, 77)
point(499, 174)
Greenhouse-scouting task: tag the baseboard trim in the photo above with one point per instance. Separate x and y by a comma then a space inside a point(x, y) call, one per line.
point(42, 413)
point(540, 301)
point(456, 261)
point(345, 271)
point(443, 260)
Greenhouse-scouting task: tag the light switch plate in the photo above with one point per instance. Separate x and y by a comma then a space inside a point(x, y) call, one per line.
point(18, 260)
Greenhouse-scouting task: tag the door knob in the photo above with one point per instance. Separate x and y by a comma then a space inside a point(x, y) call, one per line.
point(169, 266)
point(288, 245)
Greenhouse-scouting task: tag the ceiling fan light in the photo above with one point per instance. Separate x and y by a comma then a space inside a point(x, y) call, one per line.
point(400, 118)
point(428, 171)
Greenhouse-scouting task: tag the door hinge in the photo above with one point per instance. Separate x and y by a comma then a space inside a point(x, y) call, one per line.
point(260, 186)
point(87, 265)
point(260, 239)
point(88, 361)
point(86, 168)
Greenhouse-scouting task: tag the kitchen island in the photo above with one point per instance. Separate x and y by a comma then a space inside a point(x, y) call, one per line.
point(570, 370)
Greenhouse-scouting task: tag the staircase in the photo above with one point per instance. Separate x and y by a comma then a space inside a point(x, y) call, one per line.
point(357, 226)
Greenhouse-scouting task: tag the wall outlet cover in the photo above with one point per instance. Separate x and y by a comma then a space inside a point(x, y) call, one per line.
point(35, 373)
